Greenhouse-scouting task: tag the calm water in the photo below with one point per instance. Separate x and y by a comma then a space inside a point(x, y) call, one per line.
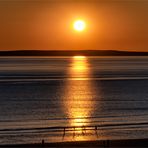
point(40, 95)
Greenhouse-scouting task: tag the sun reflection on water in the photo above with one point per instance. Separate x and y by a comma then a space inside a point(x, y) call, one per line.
point(79, 67)
point(78, 99)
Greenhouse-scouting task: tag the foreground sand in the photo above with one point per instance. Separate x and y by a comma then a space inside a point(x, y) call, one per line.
point(140, 143)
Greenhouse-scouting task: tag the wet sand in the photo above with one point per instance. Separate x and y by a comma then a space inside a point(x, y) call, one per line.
point(138, 143)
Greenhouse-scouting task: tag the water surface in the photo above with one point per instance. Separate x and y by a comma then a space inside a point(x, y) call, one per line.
point(40, 94)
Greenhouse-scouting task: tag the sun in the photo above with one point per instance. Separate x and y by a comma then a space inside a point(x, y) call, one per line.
point(79, 25)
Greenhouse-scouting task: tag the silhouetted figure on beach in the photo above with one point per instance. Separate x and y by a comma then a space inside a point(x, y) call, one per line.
point(43, 142)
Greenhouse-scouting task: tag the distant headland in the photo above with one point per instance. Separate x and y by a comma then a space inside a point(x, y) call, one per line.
point(72, 53)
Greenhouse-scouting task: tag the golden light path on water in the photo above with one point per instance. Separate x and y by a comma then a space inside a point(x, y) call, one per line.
point(79, 94)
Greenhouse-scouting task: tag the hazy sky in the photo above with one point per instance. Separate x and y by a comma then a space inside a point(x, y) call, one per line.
point(47, 24)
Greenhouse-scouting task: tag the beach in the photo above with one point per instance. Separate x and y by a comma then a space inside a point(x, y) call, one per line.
point(131, 143)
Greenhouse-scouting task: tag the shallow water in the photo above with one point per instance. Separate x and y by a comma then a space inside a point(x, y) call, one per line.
point(39, 95)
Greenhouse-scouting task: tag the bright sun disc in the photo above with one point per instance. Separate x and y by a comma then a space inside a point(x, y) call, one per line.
point(79, 25)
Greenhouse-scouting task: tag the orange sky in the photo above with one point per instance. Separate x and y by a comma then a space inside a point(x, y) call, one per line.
point(47, 24)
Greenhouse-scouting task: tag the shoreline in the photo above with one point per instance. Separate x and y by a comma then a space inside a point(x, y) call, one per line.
point(129, 143)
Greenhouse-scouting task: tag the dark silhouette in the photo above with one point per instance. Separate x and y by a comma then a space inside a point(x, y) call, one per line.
point(71, 53)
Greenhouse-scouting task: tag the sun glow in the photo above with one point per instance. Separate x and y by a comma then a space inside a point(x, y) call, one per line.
point(79, 25)
point(79, 57)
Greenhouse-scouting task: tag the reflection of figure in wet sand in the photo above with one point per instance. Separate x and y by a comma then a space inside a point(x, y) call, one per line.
point(96, 131)
point(74, 132)
point(64, 133)
point(83, 130)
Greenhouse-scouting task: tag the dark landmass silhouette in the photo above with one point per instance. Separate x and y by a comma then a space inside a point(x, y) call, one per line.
point(72, 53)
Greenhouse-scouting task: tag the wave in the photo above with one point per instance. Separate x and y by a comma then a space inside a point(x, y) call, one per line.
point(58, 78)
point(67, 118)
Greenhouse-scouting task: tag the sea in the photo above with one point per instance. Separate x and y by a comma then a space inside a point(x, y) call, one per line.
point(77, 98)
